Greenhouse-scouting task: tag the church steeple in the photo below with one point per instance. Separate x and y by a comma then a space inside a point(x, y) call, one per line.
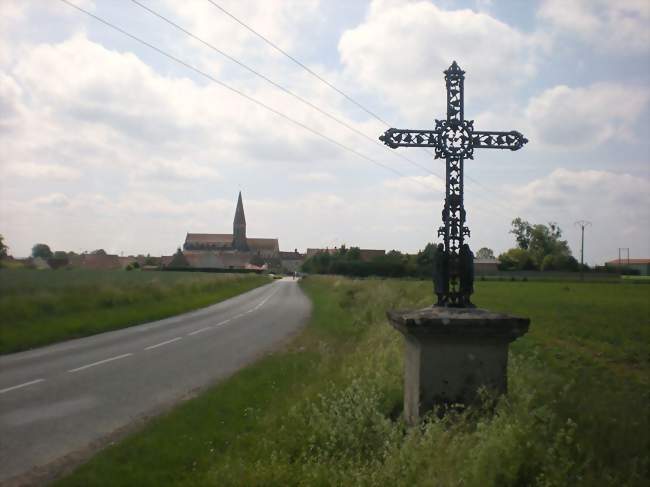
point(239, 241)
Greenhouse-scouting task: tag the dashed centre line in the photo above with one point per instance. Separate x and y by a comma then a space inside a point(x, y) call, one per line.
point(100, 362)
point(24, 384)
point(151, 347)
point(200, 330)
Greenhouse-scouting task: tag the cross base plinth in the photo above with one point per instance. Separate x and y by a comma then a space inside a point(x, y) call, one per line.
point(451, 353)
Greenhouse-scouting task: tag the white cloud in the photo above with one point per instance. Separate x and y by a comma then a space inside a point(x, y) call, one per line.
point(117, 110)
point(57, 201)
point(31, 170)
point(574, 117)
point(280, 21)
point(418, 187)
point(123, 150)
point(312, 177)
point(401, 48)
point(616, 204)
point(620, 25)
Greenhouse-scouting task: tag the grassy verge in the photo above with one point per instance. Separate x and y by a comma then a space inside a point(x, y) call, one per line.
point(42, 307)
point(326, 410)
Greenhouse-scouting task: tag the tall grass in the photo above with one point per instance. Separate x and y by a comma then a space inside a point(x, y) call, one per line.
point(40, 307)
point(327, 410)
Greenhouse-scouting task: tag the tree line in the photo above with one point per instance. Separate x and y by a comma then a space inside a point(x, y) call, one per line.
point(538, 247)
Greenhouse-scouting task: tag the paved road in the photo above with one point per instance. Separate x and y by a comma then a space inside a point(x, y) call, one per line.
point(59, 399)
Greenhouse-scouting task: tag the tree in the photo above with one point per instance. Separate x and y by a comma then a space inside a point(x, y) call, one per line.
point(41, 250)
point(354, 253)
point(178, 260)
point(516, 259)
point(522, 230)
point(3, 248)
point(424, 260)
point(257, 260)
point(98, 252)
point(59, 259)
point(485, 253)
point(541, 245)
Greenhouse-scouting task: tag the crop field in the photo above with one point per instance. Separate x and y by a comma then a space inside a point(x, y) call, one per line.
point(326, 411)
point(41, 307)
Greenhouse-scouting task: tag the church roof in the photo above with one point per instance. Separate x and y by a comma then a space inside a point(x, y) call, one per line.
point(263, 243)
point(240, 218)
point(209, 238)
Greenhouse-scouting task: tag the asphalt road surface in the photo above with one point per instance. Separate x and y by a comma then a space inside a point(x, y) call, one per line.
point(58, 400)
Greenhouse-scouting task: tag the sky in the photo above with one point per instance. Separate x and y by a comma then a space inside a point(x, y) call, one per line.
point(107, 143)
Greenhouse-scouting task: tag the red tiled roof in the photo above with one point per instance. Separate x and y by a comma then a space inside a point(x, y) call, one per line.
point(628, 261)
point(98, 261)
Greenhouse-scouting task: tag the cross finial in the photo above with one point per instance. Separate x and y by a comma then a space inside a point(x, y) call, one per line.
point(454, 69)
point(454, 139)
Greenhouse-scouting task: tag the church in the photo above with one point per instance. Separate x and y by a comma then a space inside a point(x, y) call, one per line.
point(231, 250)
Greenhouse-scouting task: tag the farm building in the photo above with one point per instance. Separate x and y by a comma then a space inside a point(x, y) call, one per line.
point(291, 261)
point(485, 266)
point(641, 265)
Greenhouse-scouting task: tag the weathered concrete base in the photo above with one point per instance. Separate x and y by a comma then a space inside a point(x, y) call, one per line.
point(451, 353)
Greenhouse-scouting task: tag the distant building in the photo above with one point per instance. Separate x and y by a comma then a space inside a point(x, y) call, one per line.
point(312, 252)
point(100, 261)
point(486, 266)
point(231, 250)
point(642, 265)
point(291, 261)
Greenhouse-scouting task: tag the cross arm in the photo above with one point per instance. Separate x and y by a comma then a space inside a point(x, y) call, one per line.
point(394, 138)
point(512, 140)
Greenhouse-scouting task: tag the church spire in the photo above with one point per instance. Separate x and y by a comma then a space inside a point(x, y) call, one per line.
point(239, 241)
point(240, 219)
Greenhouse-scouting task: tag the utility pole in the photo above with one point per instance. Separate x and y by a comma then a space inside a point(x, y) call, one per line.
point(582, 224)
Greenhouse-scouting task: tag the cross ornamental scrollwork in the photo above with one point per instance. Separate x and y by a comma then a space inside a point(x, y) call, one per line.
point(454, 140)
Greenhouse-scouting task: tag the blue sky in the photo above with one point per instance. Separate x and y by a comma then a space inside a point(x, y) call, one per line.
point(108, 144)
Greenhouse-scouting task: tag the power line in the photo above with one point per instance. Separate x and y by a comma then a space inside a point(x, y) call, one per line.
point(303, 66)
point(342, 93)
point(281, 87)
point(248, 97)
point(294, 95)
point(242, 94)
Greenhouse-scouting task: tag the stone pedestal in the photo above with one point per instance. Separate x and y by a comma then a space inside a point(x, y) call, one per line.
point(451, 353)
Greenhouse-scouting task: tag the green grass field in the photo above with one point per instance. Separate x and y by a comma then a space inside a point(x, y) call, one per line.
point(326, 411)
point(42, 307)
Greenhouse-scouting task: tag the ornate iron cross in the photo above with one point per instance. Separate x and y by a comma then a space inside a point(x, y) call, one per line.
point(454, 139)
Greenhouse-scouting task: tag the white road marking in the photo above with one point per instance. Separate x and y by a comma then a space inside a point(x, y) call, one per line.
point(221, 323)
point(267, 298)
point(100, 362)
point(151, 347)
point(200, 330)
point(36, 381)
